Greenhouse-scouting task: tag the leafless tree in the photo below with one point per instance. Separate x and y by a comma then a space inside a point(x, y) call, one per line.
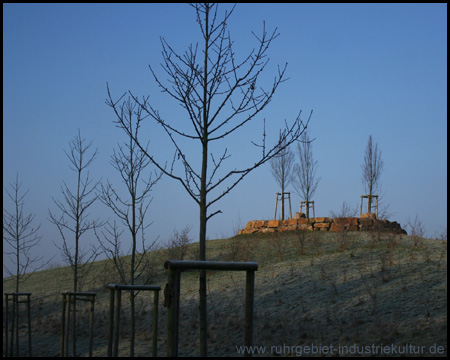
point(372, 169)
point(74, 218)
point(130, 162)
point(306, 182)
point(220, 95)
point(21, 236)
point(282, 166)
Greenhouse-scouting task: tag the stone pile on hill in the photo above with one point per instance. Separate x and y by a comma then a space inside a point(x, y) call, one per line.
point(367, 222)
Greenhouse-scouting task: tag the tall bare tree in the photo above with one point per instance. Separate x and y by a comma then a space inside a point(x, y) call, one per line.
point(74, 218)
point(21, 236)
point(372, 169)
point(306, 182)
point(130, 162)
point(220, 95)
point(282, 166)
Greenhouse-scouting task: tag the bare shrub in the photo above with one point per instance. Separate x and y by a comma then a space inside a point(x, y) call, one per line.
point(248, 249)
point(391, 240)
point(343, 239)
point(375, 234)
point(345, 211)
point(301, 240)
point(386, 262)
point(417, 231)
point(235, 247)
point(442, 236)
point(278, 244)
point(177, 245)
point(372, 290)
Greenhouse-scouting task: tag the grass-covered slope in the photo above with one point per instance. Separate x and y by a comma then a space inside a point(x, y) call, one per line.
point(313, 290)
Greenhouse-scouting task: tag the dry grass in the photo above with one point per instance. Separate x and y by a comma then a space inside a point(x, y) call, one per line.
point(309, 291)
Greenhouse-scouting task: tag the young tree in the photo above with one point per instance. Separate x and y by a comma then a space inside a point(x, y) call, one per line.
point(305, 182)
point(130, 162)
point(21, 236)
point(372, 169)
point(281, 166)
point(220, 95)
point(74, 218)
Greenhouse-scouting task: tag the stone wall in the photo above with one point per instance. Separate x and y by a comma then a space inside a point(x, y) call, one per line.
point(364, 223)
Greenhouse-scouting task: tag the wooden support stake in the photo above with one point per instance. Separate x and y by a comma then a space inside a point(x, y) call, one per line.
point(172, 295)
point(249, 304)
point(276, 204)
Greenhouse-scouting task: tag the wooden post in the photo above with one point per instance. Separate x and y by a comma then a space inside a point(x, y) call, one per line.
point(155, 323)
point(63, 324)
point(6, 325)
point(117, 322)
point(16, 321)
point(172, 295)
point(91, 324)
point(290, 208)
point(29, 325)
point(115, 298)
point(173, 312)
point(276, 204)
point(111, 322)
point(66, 331)
point(377, 205)
point(249, 304)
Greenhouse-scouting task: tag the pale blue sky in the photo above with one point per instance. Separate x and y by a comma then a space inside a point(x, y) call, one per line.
point(364, 69)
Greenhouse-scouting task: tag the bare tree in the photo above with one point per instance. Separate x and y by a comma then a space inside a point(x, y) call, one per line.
point(74, 218)
point(21, 236)
point(372, 169)
point(220, 95)
point(130, 162)
point(281, 166)
point(306, 181)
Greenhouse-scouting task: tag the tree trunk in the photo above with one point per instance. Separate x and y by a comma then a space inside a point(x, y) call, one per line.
point(202, 289)
point(203, 208)
point(133, 260)
point(307, 208)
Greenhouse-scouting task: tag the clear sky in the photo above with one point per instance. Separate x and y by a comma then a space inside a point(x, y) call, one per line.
point(364, 69)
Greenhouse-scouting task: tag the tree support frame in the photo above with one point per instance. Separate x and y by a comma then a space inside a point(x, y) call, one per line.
point(172, 295)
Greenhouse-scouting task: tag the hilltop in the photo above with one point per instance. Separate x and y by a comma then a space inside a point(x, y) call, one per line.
point(312, 289)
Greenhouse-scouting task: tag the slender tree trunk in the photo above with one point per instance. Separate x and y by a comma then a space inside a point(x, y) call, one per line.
point(132, 269)
point(307, 207)
point(369, 199)
point(75, 273)
point(133, 255)
point(202, 289)
point(203, 209)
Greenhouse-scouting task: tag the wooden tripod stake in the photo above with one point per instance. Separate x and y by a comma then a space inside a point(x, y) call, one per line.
point(307, 205)
point(283, 196)
point(369, 203)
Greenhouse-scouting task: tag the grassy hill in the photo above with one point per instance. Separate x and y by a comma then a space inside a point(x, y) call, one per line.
point(313, 289)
